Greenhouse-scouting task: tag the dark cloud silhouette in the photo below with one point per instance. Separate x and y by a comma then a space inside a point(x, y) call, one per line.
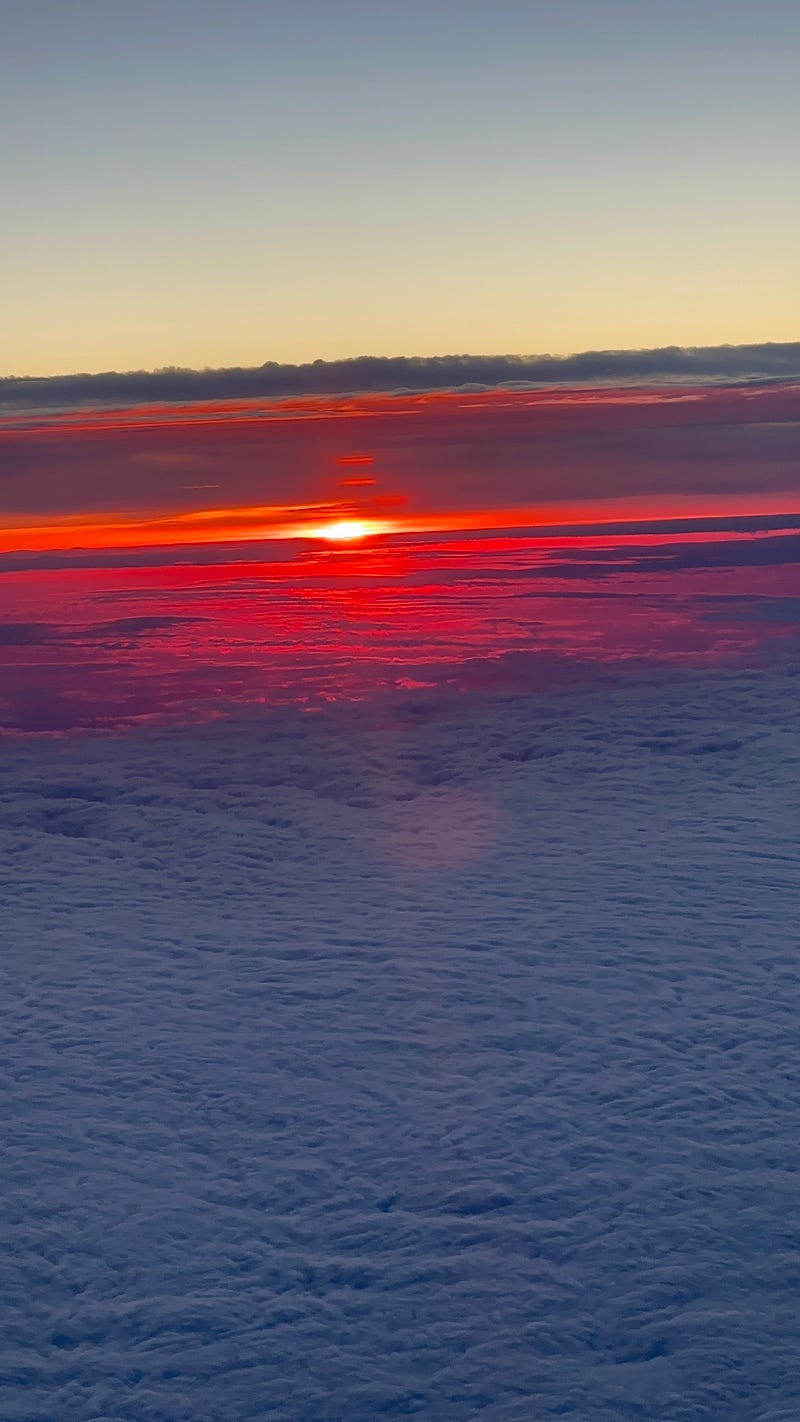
point(136, 626)
point(776, 551)
point(34, 634)
point(25, 634)
point(784, 610)
point(767, 361)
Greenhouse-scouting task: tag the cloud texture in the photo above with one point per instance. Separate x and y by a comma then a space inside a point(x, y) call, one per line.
point(107, 646)
point(439, 1062)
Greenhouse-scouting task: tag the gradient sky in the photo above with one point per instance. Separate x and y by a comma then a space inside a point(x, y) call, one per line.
point(198, 184)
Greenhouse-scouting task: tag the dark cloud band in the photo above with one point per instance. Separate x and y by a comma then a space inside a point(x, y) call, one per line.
point(772, 360)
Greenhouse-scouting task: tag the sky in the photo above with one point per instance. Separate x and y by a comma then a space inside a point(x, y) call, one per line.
point(202, 185)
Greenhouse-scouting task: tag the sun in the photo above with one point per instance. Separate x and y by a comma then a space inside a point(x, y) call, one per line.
point(350, 530)
point(345, 530)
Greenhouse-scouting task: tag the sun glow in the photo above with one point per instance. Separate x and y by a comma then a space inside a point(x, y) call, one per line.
point(345, 530)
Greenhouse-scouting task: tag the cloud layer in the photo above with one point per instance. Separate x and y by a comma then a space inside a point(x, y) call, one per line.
point(177, 473)
point(771, 360)
point(440, 1062)
point(109, 646)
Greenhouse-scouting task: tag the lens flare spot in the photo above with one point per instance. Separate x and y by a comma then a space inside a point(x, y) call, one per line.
point(443, 829)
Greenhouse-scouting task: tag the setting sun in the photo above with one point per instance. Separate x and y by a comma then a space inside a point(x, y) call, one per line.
point(345, 530)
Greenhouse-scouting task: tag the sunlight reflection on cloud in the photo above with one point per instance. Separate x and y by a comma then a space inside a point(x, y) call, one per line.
point(444, 828)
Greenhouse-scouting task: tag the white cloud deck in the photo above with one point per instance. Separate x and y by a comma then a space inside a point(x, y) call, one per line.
point(436, 1059)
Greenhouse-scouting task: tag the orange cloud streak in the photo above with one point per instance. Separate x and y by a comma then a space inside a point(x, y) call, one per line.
point(692, 403)
point(249, 524)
